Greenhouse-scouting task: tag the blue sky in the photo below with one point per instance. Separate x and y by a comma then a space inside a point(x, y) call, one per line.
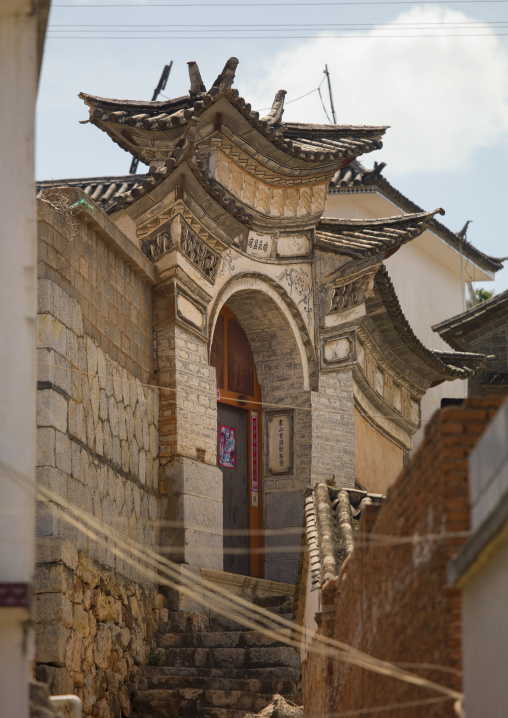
point(436, 73)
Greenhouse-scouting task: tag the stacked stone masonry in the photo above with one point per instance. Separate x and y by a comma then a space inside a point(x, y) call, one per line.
point(97, 432)
point(94, 628)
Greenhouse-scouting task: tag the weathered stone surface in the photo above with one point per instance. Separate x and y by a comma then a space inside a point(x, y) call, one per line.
point(52, 608)
point(50, 644)
point(52, 410)
point(40, 705)
point(53, 549)
point(279, 708)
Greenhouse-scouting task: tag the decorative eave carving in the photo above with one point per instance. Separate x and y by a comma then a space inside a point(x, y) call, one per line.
point(352, 292)
point(177, 235)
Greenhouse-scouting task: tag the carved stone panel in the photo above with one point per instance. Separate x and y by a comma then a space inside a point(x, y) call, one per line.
point(352, 294)
point(338, 350)
point(199, 253)
point(159, 244)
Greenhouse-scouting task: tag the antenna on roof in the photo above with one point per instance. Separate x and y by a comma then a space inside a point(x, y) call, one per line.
point(160, 86)
point(330, 92)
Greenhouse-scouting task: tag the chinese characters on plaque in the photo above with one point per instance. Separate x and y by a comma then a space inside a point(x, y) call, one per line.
point(255, 459)
point(259, 244)
point(280, 440)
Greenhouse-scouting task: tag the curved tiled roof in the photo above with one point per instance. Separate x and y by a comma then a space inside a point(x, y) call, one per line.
point(384, 311)
point(365, 238)
point(356, 178)
point(312, 143)
point(330, 518)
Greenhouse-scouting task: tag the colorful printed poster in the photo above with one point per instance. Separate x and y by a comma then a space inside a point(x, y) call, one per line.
point(226, 446)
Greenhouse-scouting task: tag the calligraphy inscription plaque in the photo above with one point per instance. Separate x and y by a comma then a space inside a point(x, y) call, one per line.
point(280, 441)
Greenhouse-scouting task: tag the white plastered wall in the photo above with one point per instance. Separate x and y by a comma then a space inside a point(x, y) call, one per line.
point(426, 274)
point(18, 69)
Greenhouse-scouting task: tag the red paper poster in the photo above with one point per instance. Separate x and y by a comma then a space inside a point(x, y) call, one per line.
point(255, 452)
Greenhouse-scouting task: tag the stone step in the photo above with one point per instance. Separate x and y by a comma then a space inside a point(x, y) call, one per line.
point(216, 639)
point(156, 678)
point(283, 673)
point(182, 622)
point(236, 658)
point(192, 701)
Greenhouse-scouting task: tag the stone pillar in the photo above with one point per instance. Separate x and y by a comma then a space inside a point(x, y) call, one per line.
point(333, 429)
point(188, 430)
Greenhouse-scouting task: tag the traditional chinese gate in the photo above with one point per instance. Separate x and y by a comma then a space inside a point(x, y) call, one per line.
point(238, 445)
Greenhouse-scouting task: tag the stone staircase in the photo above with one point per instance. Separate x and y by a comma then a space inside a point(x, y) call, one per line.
point(207, 666)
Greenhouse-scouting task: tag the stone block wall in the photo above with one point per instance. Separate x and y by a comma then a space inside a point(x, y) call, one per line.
point(107, 276)
point(97, 433)
point(94, 628)
point(97, 416)
point(98, 448)
point(333, 429)
point(393, 601)
point(188, 418)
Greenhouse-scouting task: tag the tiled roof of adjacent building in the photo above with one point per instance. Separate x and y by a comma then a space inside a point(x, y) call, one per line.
point(493, 310)
point(355, 178)
point(103, 190)
point(330, 518)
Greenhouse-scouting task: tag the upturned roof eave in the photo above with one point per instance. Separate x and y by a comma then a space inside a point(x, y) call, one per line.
point(403, 343)
point(372, 180)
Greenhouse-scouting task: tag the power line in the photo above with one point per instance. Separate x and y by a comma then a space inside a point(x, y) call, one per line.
point(151, 564)
point(489, 35)
point(412, 25)
point(283, 4)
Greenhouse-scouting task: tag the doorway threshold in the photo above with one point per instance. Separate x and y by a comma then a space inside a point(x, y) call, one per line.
point(246, 586)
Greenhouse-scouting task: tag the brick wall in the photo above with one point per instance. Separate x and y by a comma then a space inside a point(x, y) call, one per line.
point(393, 602)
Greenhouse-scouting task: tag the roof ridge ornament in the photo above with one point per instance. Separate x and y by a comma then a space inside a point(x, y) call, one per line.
point(275, 114)
point(196, 83)
point(226, 77)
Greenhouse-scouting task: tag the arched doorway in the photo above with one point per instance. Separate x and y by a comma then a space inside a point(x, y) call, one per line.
point(238, 445)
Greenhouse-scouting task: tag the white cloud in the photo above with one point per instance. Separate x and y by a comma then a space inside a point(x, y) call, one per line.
point(444, 98)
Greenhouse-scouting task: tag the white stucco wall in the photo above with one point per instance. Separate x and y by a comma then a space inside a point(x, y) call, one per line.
point(426, 274)
point(485, 628)
point(18, 70)
point(484, 595)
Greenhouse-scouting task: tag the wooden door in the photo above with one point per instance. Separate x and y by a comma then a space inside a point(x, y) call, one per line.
point(233, 459)
point(238, 445)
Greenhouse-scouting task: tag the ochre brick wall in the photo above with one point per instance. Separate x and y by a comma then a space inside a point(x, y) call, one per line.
point(393, 602)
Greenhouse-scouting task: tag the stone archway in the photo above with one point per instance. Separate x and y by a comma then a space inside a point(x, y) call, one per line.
point(282, 364)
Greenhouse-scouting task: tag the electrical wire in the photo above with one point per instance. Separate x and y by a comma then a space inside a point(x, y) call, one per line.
point(165, 572)
point(489, 35)
point(282, 4)
point(211, 394)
